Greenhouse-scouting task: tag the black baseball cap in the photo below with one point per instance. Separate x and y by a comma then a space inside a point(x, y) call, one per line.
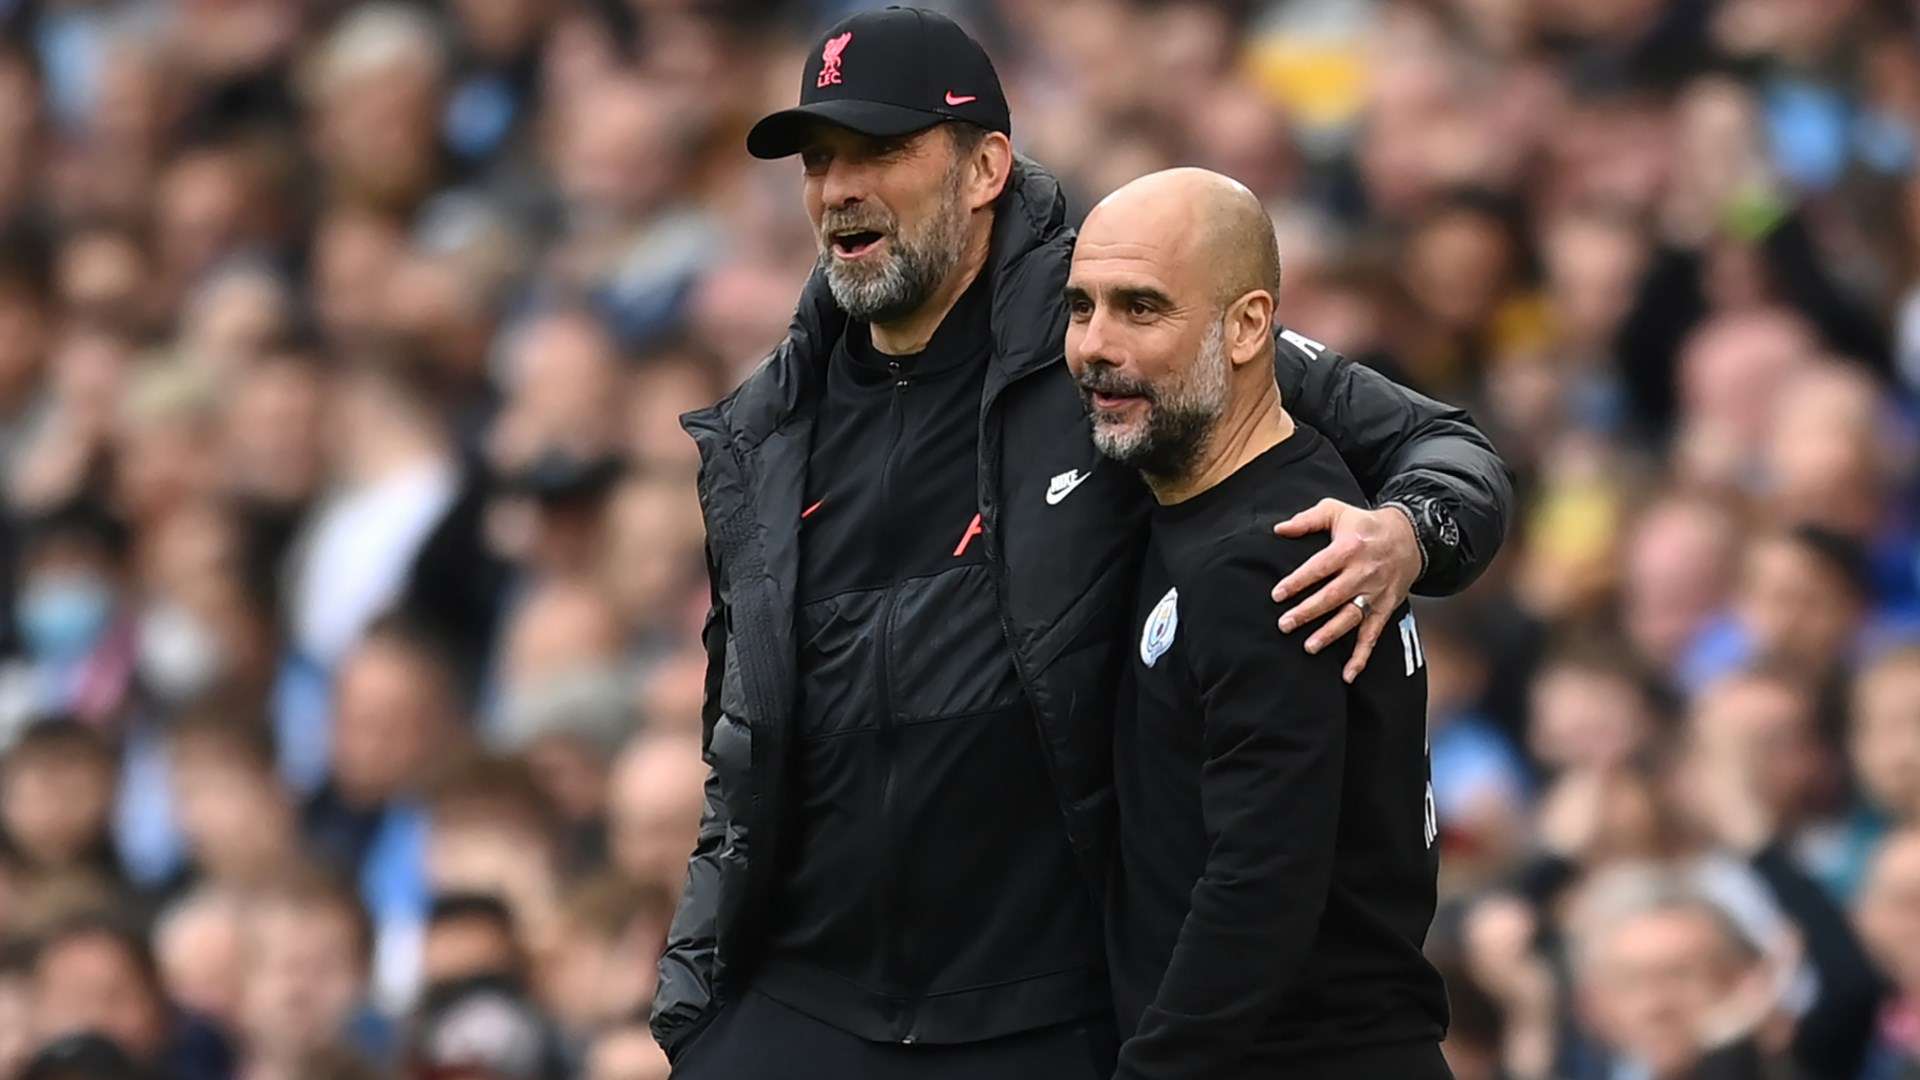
point(885, 73)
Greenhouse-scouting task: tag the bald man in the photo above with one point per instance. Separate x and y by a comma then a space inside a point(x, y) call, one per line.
point(1276, 857)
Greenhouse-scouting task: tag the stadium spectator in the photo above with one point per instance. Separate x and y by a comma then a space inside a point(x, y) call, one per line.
point(73, 617)
point(1885, 747)
point(239, 823)
point(493, 833)
point(1589, 708)
point(395, 715)
point(654, 800)
point(1764, 725)
point(199, 943)
point(563, 701)
point(1480, 782)
point(1888, 915)
point(55, 785)
point(603, 961)
point(90, 976)
point(1676, 576)
point(1800, 605)
point(308, 955)
point(470, 935)
point(1673, 984)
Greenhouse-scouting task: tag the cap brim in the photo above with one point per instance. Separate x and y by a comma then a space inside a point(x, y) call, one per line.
point(786, 131)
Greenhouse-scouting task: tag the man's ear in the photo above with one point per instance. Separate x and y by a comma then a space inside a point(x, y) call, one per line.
point(992, 165)
point(1249, 327)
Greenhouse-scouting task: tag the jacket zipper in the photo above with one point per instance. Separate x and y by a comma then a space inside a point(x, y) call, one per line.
point(996, 558)
point(888, 738)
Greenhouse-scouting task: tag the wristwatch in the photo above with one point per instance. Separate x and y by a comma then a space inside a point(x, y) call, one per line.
point(1434, 528)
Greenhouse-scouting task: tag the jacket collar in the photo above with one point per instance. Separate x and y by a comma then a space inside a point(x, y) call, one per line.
point(1031, 215)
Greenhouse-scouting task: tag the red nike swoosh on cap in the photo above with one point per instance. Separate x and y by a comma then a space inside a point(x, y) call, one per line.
point(956, 99)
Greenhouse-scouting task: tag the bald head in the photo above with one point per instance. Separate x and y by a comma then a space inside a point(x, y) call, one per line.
point(1208, 221)
point(1170, 318)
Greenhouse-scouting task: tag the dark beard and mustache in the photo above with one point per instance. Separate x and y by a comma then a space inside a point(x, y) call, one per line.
point(1180, 415)
point(913, 267)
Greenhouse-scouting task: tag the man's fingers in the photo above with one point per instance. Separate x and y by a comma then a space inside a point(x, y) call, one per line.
point(1316, 518)
point(1336, 628)
point(1344, 581)
point(1370, 629)
point(1325, 562)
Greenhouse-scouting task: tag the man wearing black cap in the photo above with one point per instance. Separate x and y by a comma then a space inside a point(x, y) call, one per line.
point(921, 568)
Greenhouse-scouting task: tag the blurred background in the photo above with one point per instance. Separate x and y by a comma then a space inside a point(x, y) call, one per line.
point(351, 566)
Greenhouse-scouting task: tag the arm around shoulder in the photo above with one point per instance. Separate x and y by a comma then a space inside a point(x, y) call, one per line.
point(1404, 447)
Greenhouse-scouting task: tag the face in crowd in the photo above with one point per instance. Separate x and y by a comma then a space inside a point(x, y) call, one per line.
point(1658, 981)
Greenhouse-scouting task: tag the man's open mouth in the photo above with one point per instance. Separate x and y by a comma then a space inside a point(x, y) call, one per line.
point(1113, 401)
point(853, 243)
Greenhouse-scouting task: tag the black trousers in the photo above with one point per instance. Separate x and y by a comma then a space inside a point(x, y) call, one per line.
point(758, 1038)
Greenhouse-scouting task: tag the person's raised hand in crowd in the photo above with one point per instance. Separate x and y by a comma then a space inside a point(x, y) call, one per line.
point(1571, 814)
point(54, 465)
point(1499, 933)
point(1719, 797)
point(1730, 752)
point(1716, 790)
point(1595, 815)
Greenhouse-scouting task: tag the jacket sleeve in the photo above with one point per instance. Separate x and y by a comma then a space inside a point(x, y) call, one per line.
point(684, 1001)
point(1400, 445)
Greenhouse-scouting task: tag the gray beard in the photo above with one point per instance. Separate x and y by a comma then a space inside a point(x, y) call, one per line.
point(1180, 419)
point(912, 271)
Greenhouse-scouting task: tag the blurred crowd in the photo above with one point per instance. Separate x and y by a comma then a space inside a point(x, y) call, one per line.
point(349, 681)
